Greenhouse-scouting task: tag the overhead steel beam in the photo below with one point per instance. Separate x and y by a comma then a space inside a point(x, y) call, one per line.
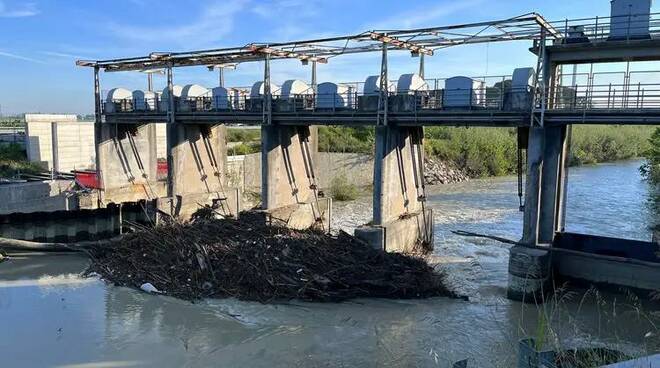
point(421, 40)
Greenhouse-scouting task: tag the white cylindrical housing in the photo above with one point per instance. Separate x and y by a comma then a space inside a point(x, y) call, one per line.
point(257, 90)
point(463, 91)
point(294, 87)
point(411, 83)
point(193, 91)
point(165, 97)
point(331, 95)
point(522, 79)
point(220, 97)
point(144, 100)
point(191, 94)
point(117, 96)
point(372, 86)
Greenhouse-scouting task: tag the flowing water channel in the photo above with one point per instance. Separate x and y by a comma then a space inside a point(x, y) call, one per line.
point(49, 316)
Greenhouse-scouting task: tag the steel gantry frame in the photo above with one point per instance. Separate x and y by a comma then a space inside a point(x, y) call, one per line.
point(417, 41)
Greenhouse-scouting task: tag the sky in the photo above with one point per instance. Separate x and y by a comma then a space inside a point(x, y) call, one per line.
point(42, 40)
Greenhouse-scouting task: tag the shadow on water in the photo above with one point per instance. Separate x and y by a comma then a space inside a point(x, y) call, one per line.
point(52, 317)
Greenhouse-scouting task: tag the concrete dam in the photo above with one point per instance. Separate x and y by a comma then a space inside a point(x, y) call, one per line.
point(533, 99)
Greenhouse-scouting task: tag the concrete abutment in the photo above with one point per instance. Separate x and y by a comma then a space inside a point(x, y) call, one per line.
point(127, 162)
point(400, 220)
point(199, 171)
point(289, 189)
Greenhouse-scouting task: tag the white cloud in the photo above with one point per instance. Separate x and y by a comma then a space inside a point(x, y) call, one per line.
point(214, 22)
point(63, 55)
point(275, 9)
point(427, 15)
point(19, 57)
point(24, 10)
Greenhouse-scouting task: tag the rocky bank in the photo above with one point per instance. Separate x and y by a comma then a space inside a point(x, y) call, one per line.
point(441, 172)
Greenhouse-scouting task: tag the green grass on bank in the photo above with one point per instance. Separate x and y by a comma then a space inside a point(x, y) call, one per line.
point(484, 151)
point(13, 160)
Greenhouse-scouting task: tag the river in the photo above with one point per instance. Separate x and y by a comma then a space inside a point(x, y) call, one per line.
point(49, 316)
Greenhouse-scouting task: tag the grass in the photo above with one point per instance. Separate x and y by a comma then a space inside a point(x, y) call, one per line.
point(13, 160)
point(587, 328)
point(343, 190)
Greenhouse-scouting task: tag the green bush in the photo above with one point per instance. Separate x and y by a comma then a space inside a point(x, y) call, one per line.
point(346, 139)
point(245, 148)
point(13, 160)
point(479, 151)
point(492, 151)
point(591, 144)
point(243, 135)
point(342, 190)
point(652, 167)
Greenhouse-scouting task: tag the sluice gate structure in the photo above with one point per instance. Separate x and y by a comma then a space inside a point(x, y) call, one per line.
point(534, 100)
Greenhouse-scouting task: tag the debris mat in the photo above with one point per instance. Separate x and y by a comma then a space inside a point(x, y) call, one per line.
point(249, 260)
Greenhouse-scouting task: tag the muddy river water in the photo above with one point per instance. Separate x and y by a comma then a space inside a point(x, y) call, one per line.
point(51, 317)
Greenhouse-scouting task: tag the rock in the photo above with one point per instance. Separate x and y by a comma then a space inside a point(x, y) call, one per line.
point(441, 172)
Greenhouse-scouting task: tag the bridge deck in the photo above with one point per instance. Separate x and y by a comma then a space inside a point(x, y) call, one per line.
point(484, 118)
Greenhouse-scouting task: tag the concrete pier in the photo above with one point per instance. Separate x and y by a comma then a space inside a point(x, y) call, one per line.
point(199, 171)
point(128, 162)
point(400, 220)
point(289, 191)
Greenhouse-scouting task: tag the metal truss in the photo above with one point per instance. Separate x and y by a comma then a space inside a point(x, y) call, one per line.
point(417, 41)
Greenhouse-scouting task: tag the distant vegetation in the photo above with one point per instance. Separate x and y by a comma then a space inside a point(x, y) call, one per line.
point(346, 139)
point(485, 151)
point(245, 141)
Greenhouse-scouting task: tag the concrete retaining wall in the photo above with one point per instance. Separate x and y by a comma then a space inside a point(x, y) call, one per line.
point(73, 226)
point(64, 144)
point(245, 171)
point(37, 197)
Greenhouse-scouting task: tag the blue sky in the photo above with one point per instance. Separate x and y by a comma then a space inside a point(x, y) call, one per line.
point(42, 39)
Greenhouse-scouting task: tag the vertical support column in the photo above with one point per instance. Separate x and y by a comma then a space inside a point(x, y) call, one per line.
point(267, 103)
point(171, 133)
point(97, 132)
point(535, 150)
point(384, 83)
point(552, 180)
point(400, 221)
point(199, 171)
point(421, 65)
point(127, 159)
point(221, 76)
point(314, 82)
point(289, 189)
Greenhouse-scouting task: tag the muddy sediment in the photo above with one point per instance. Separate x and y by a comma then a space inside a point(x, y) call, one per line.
point(248, 260)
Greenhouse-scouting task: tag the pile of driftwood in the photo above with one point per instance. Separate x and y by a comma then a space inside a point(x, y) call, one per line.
point(249, 260)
